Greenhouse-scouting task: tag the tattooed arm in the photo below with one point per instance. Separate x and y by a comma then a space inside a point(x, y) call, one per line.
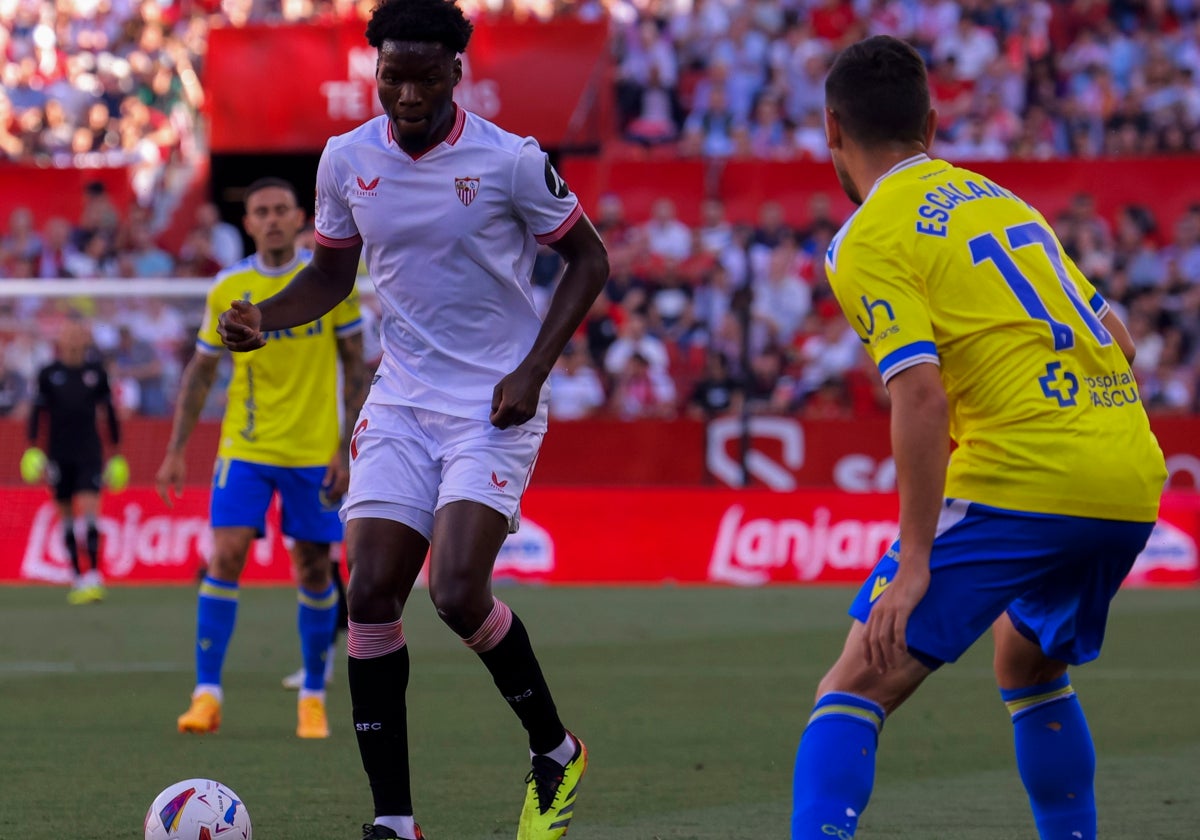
point(197, 381)
point(354, 392)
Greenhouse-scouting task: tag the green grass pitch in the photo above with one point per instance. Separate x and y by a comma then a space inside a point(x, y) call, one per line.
point(691, 701)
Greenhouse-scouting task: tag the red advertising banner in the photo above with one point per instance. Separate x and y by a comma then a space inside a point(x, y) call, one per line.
point(784, 454)
point(568, 536)
point(539, 79)
point(53, 191)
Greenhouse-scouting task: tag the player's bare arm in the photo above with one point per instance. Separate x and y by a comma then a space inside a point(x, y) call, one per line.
point(515, 399)
point(316, 289)
point(196, 382)
point(354, 393)
point(1116, 327)
point(921, 447)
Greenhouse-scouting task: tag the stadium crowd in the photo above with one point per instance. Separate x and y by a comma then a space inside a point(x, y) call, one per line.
point(695, 320)
point(89, 82)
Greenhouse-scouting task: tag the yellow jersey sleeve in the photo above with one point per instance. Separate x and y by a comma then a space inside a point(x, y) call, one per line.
point(208, 341)
point(885, 304)
point(347, 316)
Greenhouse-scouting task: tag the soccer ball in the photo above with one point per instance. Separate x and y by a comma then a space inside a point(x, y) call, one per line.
point(197, 809)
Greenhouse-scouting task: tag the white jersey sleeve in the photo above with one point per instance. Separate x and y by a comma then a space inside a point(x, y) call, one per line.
point(334, 223)
point(543, 200)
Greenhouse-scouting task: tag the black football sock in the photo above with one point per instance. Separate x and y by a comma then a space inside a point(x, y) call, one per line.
point(516, 672)
point(377, 687)
point(93, 545)
point(72, 546)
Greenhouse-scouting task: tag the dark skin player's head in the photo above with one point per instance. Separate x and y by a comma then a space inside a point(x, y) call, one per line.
point(419, 42)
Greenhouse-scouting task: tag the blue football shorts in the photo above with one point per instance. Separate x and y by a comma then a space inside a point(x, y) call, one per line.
point(242, 491)
point(1054, 575)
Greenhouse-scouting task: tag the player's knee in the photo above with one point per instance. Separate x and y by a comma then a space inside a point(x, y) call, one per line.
point(1023, 674)
point(459, 606)
point(312, 564)
point(371, 597)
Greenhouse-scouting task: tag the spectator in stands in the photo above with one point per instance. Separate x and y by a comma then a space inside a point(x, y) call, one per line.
point(576, 391)
point(99, 214)
point(146, 258)
point(781, 298)
point(1183, 254)
point(12, 147)
point(659, 113)
point(58, 253)
point(716, 393)
point(196, 257)
point(766, 389)
point(667, 238)
point(642, 390)
point(648, 59)
point(714, 233)
point(709, 131)
point(14, 389)
point(635, 338)
point(224, 240)
point(21, 240)
point(136, 361)
point(95, 259)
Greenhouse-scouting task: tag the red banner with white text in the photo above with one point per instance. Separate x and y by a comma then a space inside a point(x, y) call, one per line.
point(290, 88)
point(568, 536)
point(783, 453)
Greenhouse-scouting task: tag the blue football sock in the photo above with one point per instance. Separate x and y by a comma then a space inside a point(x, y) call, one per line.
point(216, 614)
point(316, 619)
point(835, 766)
point(1056, 758)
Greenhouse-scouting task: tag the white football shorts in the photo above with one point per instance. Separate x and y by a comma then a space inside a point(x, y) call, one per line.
point(406, 463)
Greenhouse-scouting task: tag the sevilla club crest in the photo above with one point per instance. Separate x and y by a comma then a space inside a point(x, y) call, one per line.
point(467, 189)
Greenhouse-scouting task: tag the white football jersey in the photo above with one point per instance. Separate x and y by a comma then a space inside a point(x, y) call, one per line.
point(450, 238)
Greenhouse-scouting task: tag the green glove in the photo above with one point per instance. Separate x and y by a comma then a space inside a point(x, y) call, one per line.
point(33, 465)
point(116, 473)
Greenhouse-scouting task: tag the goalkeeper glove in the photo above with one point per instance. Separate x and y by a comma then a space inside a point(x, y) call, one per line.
point(116, 473)
point(33, 465)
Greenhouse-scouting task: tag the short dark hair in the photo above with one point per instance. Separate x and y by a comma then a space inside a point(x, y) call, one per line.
point(879, 91)
point(428, 21)
point(267, 183)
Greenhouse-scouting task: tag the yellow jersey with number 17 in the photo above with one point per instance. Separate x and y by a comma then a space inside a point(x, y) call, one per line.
point(942, 265)
point(284, 399)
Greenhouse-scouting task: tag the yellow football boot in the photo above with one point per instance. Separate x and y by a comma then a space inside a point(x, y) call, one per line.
point(203, 716)
point(550, 795)
point(313, 722)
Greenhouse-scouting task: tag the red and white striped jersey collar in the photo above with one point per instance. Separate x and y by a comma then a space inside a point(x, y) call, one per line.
point(456, 130)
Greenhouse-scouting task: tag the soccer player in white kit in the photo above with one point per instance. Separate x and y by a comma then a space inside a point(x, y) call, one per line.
point(450, 210)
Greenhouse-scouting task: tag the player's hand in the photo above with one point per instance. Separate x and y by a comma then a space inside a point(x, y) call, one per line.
point(336, 481)
point(168, 481)
point(239, 326)
point(515, 398)
point(885, 643)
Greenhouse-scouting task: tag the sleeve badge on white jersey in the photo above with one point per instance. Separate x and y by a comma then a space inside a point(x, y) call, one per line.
point(467, 189)
point(554, 182)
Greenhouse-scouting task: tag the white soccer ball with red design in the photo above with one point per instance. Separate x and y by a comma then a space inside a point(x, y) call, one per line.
point(197, 809)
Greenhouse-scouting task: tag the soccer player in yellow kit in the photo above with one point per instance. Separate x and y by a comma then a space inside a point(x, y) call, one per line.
point(280, 434)
point(988, 336)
